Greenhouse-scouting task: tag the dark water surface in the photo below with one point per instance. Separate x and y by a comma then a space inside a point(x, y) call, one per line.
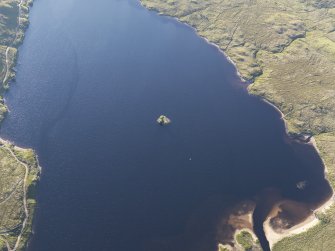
point(93, 76)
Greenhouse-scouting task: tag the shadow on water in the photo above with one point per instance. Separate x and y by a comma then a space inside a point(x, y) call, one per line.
point(72, 85)
point(92, 79)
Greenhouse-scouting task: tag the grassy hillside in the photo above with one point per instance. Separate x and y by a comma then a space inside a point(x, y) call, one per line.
point(286, 49)
point(19, 174)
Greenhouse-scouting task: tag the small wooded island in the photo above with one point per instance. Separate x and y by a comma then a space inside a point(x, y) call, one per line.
point(163, 120)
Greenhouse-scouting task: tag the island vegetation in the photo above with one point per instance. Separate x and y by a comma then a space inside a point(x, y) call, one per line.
point(247, 241)
point(18, 167)
point(285, 50)
point(163, 120)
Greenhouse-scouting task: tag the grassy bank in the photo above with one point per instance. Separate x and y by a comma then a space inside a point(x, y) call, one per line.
point(286, 49)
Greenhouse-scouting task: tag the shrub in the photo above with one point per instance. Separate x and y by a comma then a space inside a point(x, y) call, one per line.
point(244, 238)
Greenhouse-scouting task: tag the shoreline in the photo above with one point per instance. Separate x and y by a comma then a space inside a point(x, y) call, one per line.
point(31, 177)
point(308, 223)
point(311, 221)
point(30, 163)
point(238, 231)
point(176, 19)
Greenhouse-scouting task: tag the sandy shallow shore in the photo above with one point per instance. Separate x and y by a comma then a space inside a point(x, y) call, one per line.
point(274, 237)
point(311, 221)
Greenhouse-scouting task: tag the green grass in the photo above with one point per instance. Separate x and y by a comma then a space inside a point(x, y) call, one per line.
point(11, 33)
point(318, 238)
point(11, 193)
point(245, 239)
point(221, 248)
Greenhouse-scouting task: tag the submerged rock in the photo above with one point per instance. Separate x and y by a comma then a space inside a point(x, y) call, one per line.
point(163, 120)
point(302, 184)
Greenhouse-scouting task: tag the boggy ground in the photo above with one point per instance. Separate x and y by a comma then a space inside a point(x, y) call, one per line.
point(18, 167)
point(286, 50)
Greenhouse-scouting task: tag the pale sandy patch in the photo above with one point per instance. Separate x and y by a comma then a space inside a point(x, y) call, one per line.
point(274, 237)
